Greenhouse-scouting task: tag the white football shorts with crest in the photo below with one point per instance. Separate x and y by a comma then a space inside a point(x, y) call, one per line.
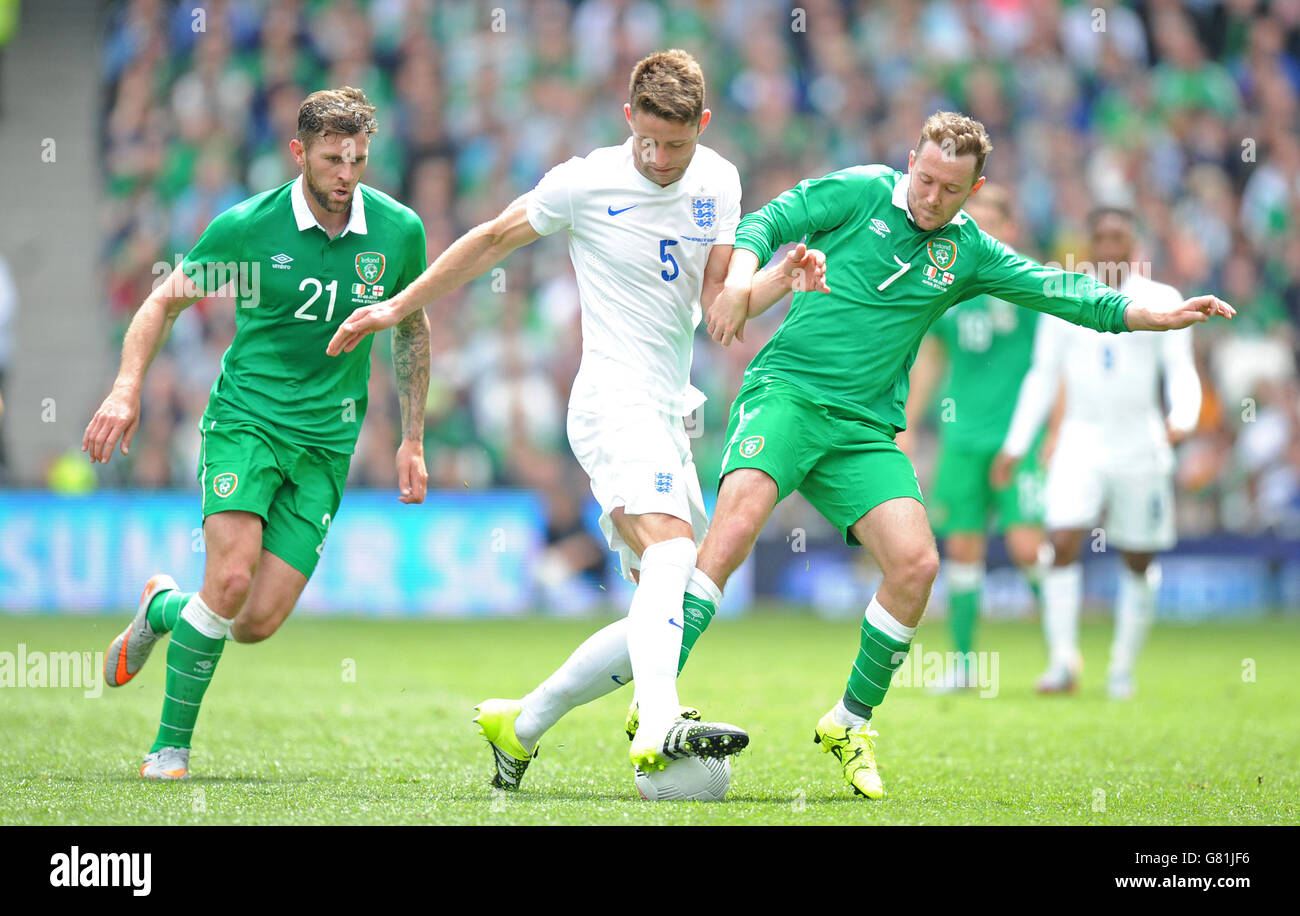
point(638, 458)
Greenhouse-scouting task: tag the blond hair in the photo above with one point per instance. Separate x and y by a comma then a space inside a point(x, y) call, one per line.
point(668, 85)
point(345, 111)
point(958, 135)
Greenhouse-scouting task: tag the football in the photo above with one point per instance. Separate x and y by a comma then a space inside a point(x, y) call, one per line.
point(686, 779)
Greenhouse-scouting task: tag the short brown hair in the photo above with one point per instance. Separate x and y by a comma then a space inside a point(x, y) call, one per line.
point(344, 111)
point(966, 136)
point(668, 85)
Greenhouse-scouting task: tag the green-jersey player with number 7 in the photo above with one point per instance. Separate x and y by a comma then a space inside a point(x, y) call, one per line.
point(821, 403)
point(282, 419)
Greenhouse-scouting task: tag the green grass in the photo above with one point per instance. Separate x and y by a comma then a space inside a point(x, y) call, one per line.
point(284, 739)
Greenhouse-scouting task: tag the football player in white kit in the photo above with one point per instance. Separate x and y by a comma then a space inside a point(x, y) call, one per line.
point(1113, 453)
point(651, 224)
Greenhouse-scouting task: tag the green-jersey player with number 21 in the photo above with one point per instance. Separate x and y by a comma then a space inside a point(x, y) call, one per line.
point(282, 419)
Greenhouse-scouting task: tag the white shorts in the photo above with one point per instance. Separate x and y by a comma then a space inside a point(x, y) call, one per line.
point(640, 459)
point(1138, 502)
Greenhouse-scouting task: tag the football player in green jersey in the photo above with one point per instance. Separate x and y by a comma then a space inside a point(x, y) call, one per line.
point(821, 402)
point(282, 419)
point(985, 346)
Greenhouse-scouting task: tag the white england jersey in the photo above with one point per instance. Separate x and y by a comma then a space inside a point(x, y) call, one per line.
point(1112, 399)
point(639, 252)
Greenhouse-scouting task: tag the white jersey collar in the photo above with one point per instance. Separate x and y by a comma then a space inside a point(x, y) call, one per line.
point(306, 219)
point(900, 201)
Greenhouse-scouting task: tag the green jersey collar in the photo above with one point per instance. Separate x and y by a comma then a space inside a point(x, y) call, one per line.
point(306, 219)
point(900, 201)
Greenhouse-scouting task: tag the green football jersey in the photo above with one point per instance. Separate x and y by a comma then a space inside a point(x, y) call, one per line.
point(853, 347)
point(295, 286)
point(989, 344)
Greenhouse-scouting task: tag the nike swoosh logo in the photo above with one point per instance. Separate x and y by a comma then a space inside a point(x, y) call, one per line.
point(617, 680)
point(676, 624)
point(613, 212)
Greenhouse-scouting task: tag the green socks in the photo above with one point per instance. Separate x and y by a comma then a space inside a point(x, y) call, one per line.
point(882, 648)
point(699, 604)
point(165, 608)
point(965, 588)
point(197, 640)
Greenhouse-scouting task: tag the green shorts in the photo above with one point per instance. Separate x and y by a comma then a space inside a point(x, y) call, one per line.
point(295, 489)
point(842, 465)
point(963, 497)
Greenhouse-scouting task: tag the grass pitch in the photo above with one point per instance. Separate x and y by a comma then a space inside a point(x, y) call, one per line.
point(285, 737)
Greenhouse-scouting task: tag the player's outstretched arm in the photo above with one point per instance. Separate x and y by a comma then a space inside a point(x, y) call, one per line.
point(746, 294)
point(469, 256)
point(1196, 309)
point(119, 415)
point(411, 364)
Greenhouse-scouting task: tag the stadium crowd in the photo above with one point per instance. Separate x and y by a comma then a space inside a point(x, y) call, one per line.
point(1185, 112)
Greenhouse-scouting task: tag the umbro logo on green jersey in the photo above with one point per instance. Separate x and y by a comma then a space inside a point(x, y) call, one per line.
point(879, 227)
point(282, 261)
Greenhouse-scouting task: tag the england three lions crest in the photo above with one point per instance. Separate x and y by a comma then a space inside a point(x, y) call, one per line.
point(704, 210)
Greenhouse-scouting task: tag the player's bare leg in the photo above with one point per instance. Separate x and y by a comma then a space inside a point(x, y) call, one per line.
point(1135, 609)
point(233, 541)
point(746, 499)
point(274, 594)
point(1062, 597)
point(897, 535)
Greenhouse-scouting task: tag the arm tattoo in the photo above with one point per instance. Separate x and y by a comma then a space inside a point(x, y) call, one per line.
point(411, 364)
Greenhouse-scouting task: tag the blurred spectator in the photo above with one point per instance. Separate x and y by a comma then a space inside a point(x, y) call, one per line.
point(8, 310)
point(1186, 112)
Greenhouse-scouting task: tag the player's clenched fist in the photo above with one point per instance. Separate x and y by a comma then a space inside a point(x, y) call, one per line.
point(118, 416)
point(361, 323)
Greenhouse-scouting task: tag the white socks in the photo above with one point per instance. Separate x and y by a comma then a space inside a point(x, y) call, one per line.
point(1135, 609)
point(964, 577)
point(845, 719)
point(1062, 595)
point(701, 586)
point(204, 619)
point(654, 635)
point(597, 667)
point(603, 663)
